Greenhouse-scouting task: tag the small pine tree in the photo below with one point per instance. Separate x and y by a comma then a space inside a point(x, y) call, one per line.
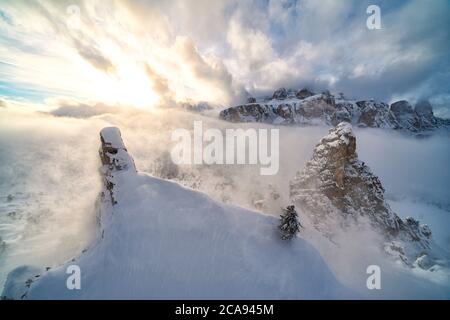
point(289, 224)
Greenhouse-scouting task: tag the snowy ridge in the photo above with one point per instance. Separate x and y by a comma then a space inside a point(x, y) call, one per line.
point(305, 107)
point(160, 240)
point(335, 189)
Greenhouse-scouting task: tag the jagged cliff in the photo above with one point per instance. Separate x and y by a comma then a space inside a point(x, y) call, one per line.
point(306, 107)
point(335, 189)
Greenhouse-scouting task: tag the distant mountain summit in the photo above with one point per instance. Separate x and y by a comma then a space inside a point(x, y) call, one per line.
point(336, 189)
point(305, 107)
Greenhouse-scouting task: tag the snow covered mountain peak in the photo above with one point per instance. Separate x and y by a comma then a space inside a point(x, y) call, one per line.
point(334, 180)
point(340, 140)
point(304, 107)
point(336, 189)
point(113, 153)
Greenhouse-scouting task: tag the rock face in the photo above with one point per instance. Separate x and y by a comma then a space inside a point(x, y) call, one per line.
point(336, 189)
point(304, 93)
point(376, 115)
point(280, 94)
point(114, 157)
point(305, 107)
point(336, 181)
point(405, 115)
point(424, 110)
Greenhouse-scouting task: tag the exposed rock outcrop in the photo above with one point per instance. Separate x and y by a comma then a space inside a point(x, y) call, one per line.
point(336, 189)
point(304, 93)
point(114, 157)
point(376, 115)
point(424, 110)
point(280, 94)
point(405, 115)
point(305, 107)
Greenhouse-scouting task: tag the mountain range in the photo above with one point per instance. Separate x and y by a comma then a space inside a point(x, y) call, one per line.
point(304, 107)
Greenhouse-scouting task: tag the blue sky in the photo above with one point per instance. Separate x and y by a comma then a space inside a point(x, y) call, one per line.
point(220, 51)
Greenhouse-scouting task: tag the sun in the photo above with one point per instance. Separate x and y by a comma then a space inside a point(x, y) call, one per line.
point(128, 85)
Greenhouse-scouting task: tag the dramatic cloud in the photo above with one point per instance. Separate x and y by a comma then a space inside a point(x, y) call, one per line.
point(147, 53)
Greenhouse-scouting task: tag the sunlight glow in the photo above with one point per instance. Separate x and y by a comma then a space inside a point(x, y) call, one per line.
point(130, 86)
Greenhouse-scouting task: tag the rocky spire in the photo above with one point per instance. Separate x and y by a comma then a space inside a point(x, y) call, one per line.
point(336, 188)
point(336, 181)
point(114, 157)
point(424, 110)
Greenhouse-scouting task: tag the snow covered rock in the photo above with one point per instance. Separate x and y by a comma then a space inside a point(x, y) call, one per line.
point(424, 111)
point(423, 108)
point(280, 94)
point(317, 106)
point(375, 114)
point(307, 108)
point(162, 241)
point(336, 181)
point(304, 93)
point(405, 115)
point(113, 154)
point(114, 157)
point(335, 189)
point(252, 112)
point(289, 110)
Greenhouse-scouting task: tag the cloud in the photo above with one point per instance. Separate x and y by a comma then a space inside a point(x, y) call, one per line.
point(217, 50)
point(94, 57)
point(328, 45)
point(209, 72)
point(161, 86)
point(252, 47)
point(64, 107)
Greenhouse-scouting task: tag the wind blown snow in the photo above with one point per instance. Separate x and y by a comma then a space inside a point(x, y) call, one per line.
point(49, 182)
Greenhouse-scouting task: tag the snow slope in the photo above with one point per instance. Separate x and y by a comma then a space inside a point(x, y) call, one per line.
point(161, 240)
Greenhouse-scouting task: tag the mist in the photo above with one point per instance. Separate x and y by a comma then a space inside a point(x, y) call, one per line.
point(49, 178)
